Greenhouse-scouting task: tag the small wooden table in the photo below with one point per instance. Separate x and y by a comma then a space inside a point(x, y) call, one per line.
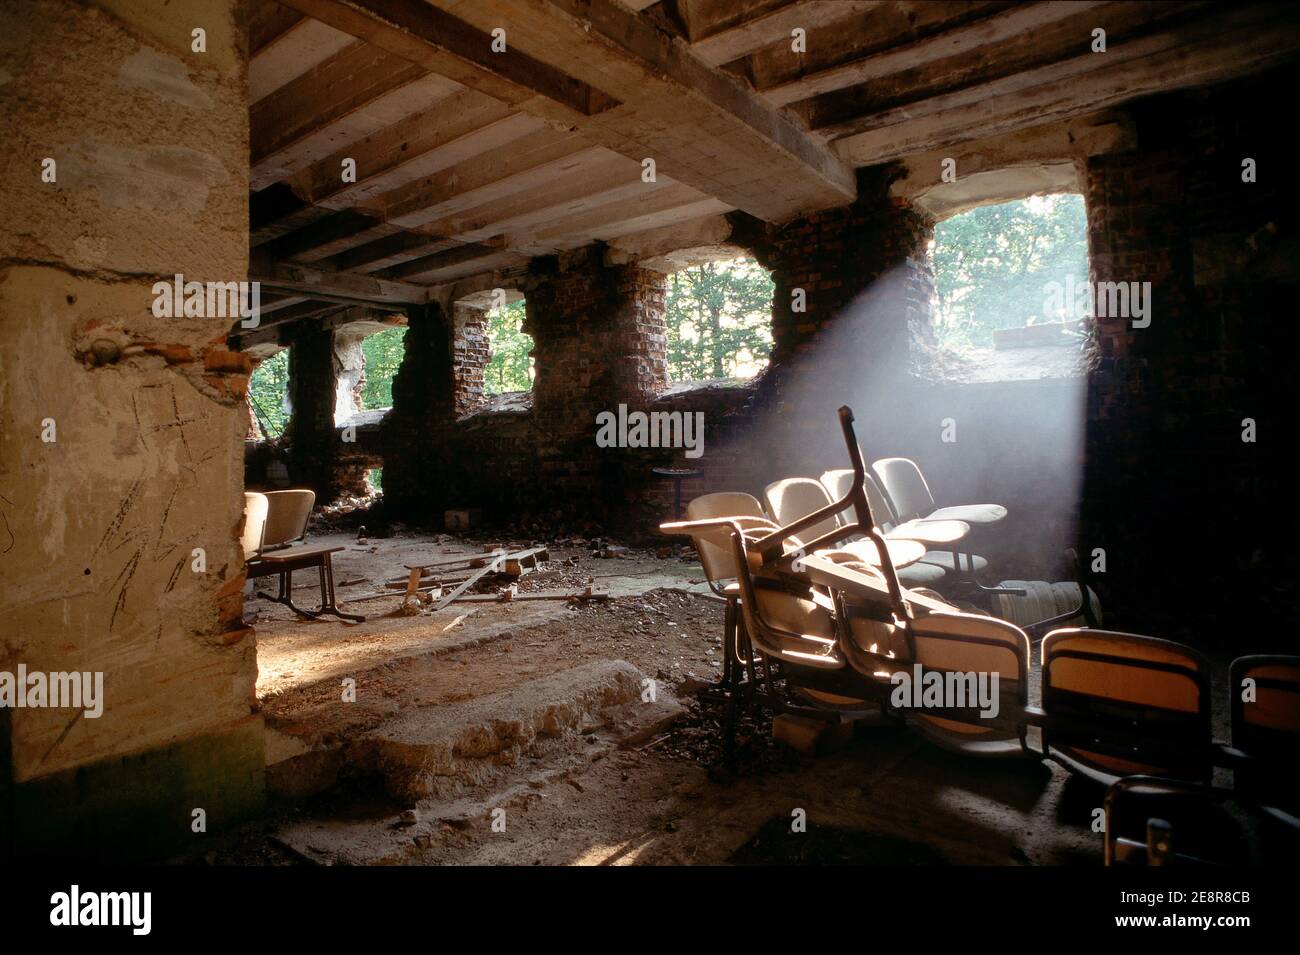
point(285, 562)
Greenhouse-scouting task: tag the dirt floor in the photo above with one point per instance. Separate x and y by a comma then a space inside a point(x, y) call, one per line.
point(611, 790)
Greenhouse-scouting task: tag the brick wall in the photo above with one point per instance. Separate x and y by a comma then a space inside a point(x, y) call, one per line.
point(1172, 492)
point(417, 452)
point(470, 356)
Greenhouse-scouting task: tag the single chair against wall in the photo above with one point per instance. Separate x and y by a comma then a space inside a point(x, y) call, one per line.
point(274, 525)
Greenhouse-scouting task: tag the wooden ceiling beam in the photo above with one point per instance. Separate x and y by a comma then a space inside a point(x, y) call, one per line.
point(1234, 43)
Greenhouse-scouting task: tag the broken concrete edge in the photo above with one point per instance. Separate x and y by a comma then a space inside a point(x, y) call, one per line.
point(463, 745)
point(139, 807)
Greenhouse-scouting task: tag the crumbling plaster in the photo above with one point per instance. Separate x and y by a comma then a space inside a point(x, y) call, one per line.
point(100, 526)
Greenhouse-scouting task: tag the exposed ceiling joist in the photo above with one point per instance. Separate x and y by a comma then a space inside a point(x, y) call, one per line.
point(355, 93)
point(389, 250)
point(457, 255)
point(876, 30)
point(466, 125)
point(774, 26)
point(1238, 42)
point(347, 287)
point(1017, 21)
point(603, 178)
point(544, 159)
point(661, 101)
point(305, 44)
point(428, 37)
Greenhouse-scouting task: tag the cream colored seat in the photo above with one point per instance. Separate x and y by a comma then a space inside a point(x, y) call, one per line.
point(792, 499)
point(714, 544)
point(942, 640)
point(1144, 703)
point(903, 481)
point(975, 647)
point(1266, 727)
point(934, 566)
point(283, 516)
point(798, 632)
point(287, 514)
point(255, 509)
point(718, 558)
point(795, 630)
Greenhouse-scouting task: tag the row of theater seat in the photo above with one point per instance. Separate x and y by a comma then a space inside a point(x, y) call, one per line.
point(819, 621)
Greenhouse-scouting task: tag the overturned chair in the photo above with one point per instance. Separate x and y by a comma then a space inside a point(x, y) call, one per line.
point(797, 644)
point(275, 526)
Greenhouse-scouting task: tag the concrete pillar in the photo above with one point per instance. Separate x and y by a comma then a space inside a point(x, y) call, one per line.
point(120, 446)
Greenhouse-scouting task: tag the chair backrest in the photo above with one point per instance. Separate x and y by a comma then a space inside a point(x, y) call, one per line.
point(903, 482)
point(286, 519)
point(796, 629)
point(790, 499)
point(1151, 697)
point(714, 547)
point(972, 647)
point(255, 508)
point(838, 483)
point(1267, 726)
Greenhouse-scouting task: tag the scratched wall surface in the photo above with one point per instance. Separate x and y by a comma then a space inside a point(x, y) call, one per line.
point(99, 526)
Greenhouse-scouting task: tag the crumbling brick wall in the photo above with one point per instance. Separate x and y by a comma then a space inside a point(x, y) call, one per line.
point(1171, 489)
point(417, 451)
point(310, 434)
point(470, 357)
